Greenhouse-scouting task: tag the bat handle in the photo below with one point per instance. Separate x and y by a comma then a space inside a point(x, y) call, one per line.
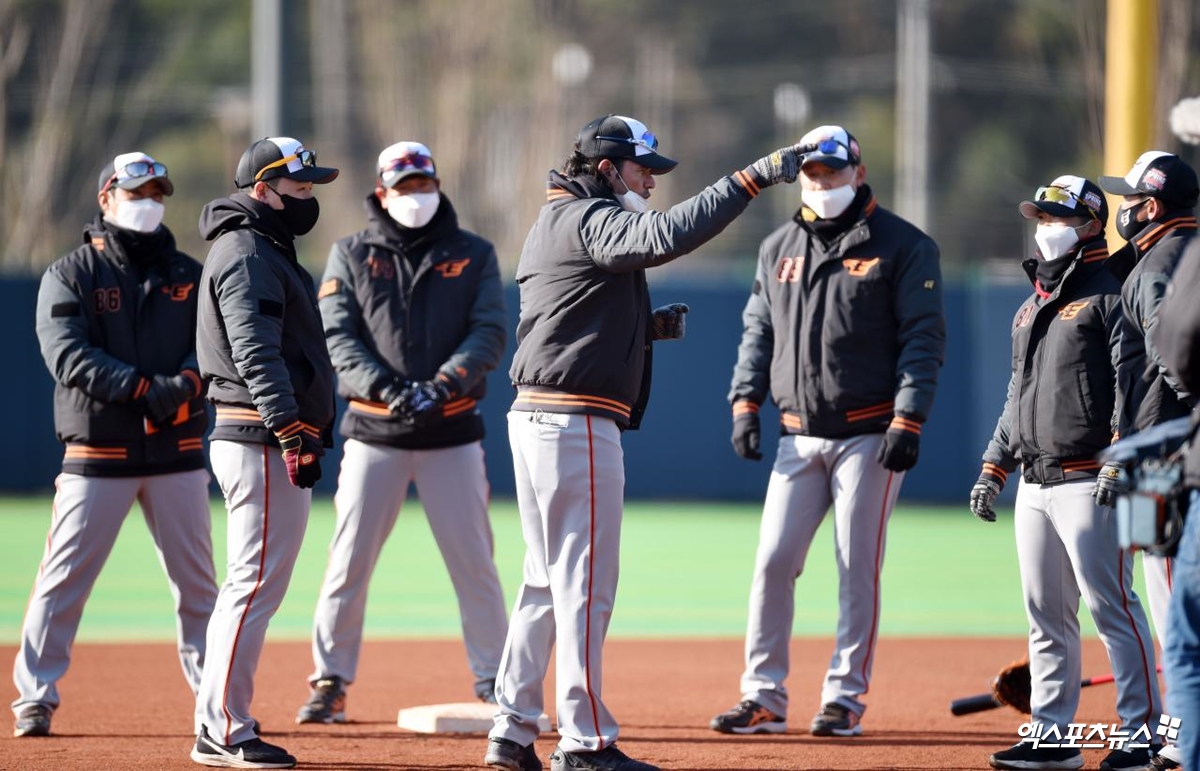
point(971, 704)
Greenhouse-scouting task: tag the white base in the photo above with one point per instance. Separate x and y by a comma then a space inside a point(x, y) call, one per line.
point(463, 718)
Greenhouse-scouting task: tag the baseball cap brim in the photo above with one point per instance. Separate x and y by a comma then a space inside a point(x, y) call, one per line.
point(134, 183)
point(658, 164)
point(318, 175)
point(1029, 210)
point(391, 179)
point(1116, 186)
point(832, 161)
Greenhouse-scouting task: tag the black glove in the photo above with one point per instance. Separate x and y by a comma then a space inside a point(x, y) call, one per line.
point(983, 494)
point(747, 430)
point(1112, 482)
point(670, 321)
point(167, 393)
point(783, 165)
point(421, 403)
point(900, 445)
point(393, 395)
point(302, 457)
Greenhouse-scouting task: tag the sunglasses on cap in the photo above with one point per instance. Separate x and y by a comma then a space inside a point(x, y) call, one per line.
point(408, 162)
point(306, 158)
point(1063, 196)
point(829, 146)
point(647, 140)
point(135, 169)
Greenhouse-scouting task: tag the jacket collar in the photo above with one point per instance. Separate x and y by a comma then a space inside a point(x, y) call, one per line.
point(1090, 257)
point(561, 188)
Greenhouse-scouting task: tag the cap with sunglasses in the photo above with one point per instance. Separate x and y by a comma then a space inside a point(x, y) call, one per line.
point(1067, 196)
point(615, 136)
point(275, 157)
point(836, 147)
point(403, 160)
point(1158, 175)
point(130, 171)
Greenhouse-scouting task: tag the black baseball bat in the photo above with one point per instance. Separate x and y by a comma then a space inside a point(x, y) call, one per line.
point(982, 702)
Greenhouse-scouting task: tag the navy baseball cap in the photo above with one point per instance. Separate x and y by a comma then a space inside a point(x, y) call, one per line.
point(1068, 196)
point(130, 171)
point(1158, 175)
point(616, 136)
point(275, 157)
point(834, 146)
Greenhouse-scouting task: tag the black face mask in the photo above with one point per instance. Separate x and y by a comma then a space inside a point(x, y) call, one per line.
point(299, 214)
point(1128, 227)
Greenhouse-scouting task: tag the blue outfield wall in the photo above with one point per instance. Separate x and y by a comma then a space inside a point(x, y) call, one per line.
point(683, 449)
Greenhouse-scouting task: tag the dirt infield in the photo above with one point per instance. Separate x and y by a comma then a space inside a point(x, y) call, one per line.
point(126, 707)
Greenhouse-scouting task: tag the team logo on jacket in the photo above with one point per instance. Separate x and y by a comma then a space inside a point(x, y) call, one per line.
point(381, 268)
point(452, 268)
point(178, 292)
point(1023, 316)
point(858, 267)
point(1071, 310)
point(790, 269)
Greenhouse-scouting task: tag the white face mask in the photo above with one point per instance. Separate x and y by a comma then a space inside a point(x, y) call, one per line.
point(1055, 239)
point(142, 214)
point(631, 201)
point(413, 210)
point(828, 203)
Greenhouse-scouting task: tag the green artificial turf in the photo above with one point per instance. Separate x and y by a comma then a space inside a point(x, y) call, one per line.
point(685, 572)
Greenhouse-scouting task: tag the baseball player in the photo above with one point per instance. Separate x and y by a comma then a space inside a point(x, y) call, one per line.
point(1176, 338)
point(414, 317)
point(116, 320)
point(1157, 218)
point(1056, 418)
point(262, 352)
point(844, 328)
point(582, 374)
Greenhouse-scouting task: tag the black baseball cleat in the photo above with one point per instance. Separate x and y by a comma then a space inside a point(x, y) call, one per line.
point(507, 754)
point(1025, 756)
point(749, 717)
point(33, 720)
point(836, 720)
point(252, 753)
point(326, 703)
point(1135, 759)
point(608, 759)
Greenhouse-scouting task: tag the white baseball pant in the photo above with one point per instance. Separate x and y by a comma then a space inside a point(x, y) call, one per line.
point(570, 476)
point(87, 517)
point(372, 486)
point(810, 475)
point(267, 519)
point(1067, 548)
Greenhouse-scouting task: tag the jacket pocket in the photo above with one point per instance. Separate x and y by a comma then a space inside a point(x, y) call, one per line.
point(1084, 389)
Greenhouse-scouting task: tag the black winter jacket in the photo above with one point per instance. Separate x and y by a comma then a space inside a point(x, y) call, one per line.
point(844, 335)
point(583, 342)
point(1176, 337)
point(260, 342)
point(1059, 411)
point(106, 323)
point(397, 309)
point(1146, 394)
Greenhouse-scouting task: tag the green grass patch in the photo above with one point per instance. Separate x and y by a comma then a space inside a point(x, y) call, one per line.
point(685, 572)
